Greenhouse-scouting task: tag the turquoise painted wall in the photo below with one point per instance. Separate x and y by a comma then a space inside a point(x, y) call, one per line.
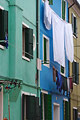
point(12, 64)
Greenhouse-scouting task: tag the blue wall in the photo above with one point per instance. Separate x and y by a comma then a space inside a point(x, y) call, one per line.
point(46, 75)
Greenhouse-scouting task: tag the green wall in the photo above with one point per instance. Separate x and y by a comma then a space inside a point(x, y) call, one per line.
point(12, 64)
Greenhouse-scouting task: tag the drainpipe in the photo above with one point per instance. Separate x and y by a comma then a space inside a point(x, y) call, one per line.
point(69, 64)
point(37, 41)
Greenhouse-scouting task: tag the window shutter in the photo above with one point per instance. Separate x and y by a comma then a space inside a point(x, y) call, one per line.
point(75, 26)
point(51, 2)
point(66, 110)
point(41, 106)
point(3, 26)
point(37, 109)
point(77, 73)
point(73, 22)
point(73, 71)
point(45, 50)
point(63, 9)
point(48, 107)
point(29, 43)
point(22, 106)
point(75, 114)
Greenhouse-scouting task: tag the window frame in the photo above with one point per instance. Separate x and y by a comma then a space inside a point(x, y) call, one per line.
point(65, 9)
point(64, 71)
point(1, 46)
point(74, 34)
point(48, 2)
point(75, 108)
point(23, 42)
point(48, 51)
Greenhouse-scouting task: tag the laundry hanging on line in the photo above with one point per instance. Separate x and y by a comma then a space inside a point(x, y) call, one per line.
point(62, 35)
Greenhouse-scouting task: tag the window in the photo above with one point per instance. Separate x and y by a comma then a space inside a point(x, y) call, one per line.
point(30, 107)
point(46, 107)
point(66, 110)
point(4, 28)
point(75, 113)
point(50, 2)
point(27, 42)
point(74, 24)
point(63, 9)
point(1, 103)
point(62, 69)
point(75, 72)
point(46, 50)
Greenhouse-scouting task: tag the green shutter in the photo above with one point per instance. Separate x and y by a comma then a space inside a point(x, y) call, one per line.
point(29, 43)
point(63, 9)
point(48, 107)
point(41, 106)
point(45, 54)
point(73, 22)
point(77, 73)
point(73, 71)
point(3, 25)
point(75, 26)
point(50, 2)
point(37, 113)
point(66, 110)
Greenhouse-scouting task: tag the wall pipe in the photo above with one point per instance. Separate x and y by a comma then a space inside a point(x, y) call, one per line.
point(69, 65)
point(37, 40)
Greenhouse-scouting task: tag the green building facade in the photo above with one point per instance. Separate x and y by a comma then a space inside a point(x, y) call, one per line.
point(18, 59)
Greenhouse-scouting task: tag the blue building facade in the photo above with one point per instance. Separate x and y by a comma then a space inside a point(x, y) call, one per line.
point(48, 87)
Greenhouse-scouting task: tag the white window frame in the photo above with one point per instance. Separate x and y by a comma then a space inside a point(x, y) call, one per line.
point(65, 9)
point(25, 93)
point(76, 25)
point(64, 71)
point(48, 53)
point(1, 110)
point(1, 46)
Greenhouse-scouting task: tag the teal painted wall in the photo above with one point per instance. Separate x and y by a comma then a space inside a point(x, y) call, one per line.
point(12, 64)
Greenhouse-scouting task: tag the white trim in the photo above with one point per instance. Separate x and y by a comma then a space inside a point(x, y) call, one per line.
point(44, 92)
point(2, 47)
point(25, 58)
point(1, 8)
point(75, 108)
point(25, 25)
point(56, 104)
point(47, 65)
point(65, 99)
point(27, 93)
point(34, 42)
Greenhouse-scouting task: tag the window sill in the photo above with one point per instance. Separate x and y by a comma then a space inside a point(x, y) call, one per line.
point(74, 36)
point(63, 74)
point(74, 84)
point(1, 47)
point(25, 58)
point(47, 65)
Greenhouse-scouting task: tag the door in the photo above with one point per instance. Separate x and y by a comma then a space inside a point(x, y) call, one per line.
point(1, 104)
point(56, 111)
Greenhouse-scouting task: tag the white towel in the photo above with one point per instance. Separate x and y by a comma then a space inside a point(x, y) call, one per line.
point(69, 42)
point(47, 15)
point(58, 39)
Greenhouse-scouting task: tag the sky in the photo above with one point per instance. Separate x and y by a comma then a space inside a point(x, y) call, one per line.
point(78, 1)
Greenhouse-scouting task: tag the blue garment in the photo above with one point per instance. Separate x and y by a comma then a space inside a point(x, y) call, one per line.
point(6, 41)
point(59, 81)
